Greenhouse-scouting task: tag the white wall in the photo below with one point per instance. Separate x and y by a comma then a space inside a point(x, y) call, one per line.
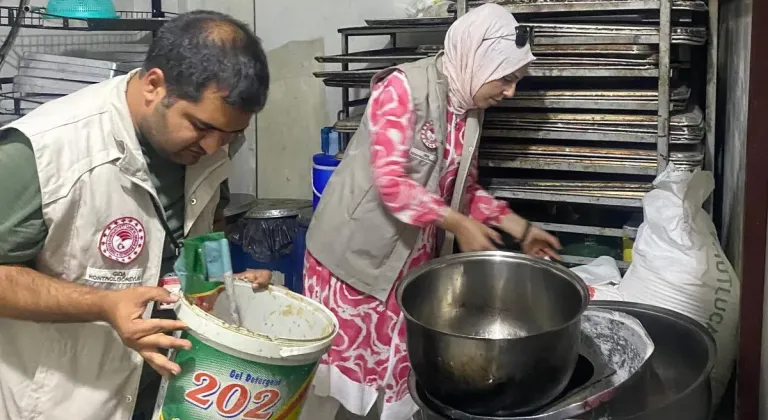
point(294, 32)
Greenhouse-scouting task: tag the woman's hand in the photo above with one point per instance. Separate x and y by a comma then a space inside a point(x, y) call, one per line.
point(533, 240)
point(471, 234)
point(541, 244)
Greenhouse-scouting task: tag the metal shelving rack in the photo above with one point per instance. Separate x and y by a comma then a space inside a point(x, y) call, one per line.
point(37, 18)
point(579, 136)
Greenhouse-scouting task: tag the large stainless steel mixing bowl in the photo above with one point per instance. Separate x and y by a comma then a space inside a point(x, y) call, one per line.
point(493, 333)
point(675, 383)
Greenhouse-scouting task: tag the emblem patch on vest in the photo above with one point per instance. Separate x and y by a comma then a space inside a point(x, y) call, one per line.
point(427, 134)
point(122, 240)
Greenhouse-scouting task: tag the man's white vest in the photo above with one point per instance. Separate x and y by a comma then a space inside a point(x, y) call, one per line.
point(102, 232)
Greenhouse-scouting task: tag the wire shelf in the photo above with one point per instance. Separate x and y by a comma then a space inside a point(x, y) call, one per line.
point(37, 18)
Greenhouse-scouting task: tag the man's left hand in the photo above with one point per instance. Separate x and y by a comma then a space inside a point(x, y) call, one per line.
point(259, 279)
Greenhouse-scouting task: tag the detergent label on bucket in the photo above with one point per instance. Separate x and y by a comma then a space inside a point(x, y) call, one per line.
point(215, 385)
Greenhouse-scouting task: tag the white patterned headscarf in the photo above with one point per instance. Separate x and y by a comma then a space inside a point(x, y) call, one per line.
point(480, 47)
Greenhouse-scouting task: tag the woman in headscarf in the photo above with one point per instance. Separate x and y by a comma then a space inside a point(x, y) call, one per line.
point(383, 209)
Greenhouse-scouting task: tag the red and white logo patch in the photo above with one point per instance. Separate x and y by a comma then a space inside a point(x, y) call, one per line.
point(427, 134)
point(122, 240)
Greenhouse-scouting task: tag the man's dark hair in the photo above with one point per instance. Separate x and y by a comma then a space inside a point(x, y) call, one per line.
point(202, 49)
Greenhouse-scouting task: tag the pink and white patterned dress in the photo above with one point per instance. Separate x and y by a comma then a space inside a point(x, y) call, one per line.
point(369, 353)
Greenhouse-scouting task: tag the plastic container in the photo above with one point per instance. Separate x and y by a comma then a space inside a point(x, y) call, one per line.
point(82, 9)
point(266, 237)
point(322, 168)
point(630, 233)
point(262, 370)
point(329, 141)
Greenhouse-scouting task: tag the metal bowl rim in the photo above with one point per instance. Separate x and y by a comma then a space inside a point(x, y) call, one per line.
point(495, 255)
point(689, 322)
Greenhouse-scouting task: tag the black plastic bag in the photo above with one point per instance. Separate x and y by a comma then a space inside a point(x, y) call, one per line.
point(265, 240)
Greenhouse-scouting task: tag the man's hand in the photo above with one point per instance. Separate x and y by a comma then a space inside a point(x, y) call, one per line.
point(259, 279)
point(124, 311)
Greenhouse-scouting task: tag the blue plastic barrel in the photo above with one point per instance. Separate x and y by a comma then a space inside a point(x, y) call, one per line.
point(322, 168)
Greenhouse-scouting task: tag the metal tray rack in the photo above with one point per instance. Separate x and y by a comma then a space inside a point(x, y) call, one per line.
point(44, 77)
point(607, 105)
point(535, 143)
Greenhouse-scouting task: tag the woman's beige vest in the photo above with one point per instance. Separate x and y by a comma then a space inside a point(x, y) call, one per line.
point(352, 233)
point(93, 178)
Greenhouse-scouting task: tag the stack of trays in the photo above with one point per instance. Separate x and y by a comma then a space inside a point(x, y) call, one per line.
point(44, 77)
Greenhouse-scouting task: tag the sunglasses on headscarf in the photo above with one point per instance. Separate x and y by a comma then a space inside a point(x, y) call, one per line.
point(523, 36)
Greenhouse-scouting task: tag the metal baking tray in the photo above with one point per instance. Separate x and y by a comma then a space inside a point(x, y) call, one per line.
point(418, 21)
point(38, 85)
point(595, 50)
point(69, 68)
point(60, 75)
point(563, 33)
point(635, 17)
point(15, 102)
point(609, 193)
point(596, 127)
point(350, 84)
point(685, 128)
point(547, 55)
point(68, 63)
point(549, 6)
point(358, 75)
point(126, 60)
point(591, 186)
point(344, 78)
point(596, 99)
point(584, 159)
point(500, 151)
point(387, 55)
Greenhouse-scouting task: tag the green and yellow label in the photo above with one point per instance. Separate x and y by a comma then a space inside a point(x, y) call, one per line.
point(215, 385)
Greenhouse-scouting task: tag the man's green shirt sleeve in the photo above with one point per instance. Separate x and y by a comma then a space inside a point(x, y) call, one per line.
point(22, 227)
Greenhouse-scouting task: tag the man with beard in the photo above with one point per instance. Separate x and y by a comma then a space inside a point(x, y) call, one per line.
point(98, 189)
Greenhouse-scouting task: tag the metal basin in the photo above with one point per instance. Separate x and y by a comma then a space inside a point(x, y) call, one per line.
point(675, 383)
point(493, 333)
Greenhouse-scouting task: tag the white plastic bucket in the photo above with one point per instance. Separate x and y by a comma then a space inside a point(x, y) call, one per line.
point(259, 371)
